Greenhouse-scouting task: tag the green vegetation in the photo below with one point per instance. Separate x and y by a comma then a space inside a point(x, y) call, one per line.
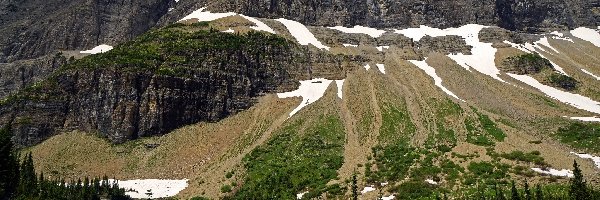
point(226, 189)
point(292, 162)
point(562, 81)
point(584, 136)
point(396, 124)
point(485, 133)
point(392, 162)
point(528, 64)
point(18, 180)
point(531, 157)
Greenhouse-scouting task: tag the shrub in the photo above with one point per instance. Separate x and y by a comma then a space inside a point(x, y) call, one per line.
point(562, 81)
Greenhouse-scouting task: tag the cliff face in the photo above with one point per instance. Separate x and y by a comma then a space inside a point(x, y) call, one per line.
point(523, 15)
point(34, 28)
point(132, 91)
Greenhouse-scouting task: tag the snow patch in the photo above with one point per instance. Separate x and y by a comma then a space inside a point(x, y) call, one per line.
point(260, 26)
point(229, 30)
point(388, 197)
point(350, 45)
point(367, 67)
point(381, 68)
point(554, 172)
point(575, 100)
point(300, 195)
point(587, 119)
point(431, 72)
point(301, 33)
point(590, 73)
point(380, 48)
point(587, 34)
point(373, 32)
point(151, 188)
point(98, 49)
point(310, 91)
point(367, 189)
point(595, 159)
point(432, 182)
point(340, 86)
point(206, 16)
point(483, 54)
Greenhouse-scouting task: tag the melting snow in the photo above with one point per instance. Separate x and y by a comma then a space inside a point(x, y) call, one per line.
point(381, 68)
point(340, 86)
point(260, 26)
point(310, 91)
point(554, 172)
point(300, 195)
point(574, 100)
point(587, 34)
point(590, 73)
point(206, 16)
point(587, 119)
point(98, 49)
point(431, 72)
point(388, 197)
point(229, 30)
point(533, 48)
point(595, 159)
point(367, 67)
point(367, 189)
point(432, 182)
point(350, 45)
point(483, 54)
point(158, 187)
point(380, 48)
point(301, 33)
point(360, 29)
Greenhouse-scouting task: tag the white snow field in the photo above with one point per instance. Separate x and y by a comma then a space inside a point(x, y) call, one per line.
point(206, 16)
point(483, 54)
point(350, 45)
point(340, 87)
point(432, 182)
point(300, 195)
point(554, 172)
point(587, 119)
point(590, 73)
point(367, 189)
point(301, 33)
point(388, 197)
point(367, 67)
point(380, 48)
point(260, 26)
point(574, 100)
point(587, 34)
point(152, 188)
point(533, 48)
point(373, 32)
point(381, 67)
point(431, 72)
point(98, 49)
point(310, 91)
point(595, 159)
point(229, 30)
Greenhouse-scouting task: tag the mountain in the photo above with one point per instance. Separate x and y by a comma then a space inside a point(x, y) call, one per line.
point(289, 99)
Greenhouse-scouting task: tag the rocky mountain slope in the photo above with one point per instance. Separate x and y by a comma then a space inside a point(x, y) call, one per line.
point(238, 107)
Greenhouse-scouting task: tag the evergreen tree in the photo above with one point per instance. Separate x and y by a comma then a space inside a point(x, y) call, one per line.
point(578, 189)
point(499, 193)
point(514, 192)
point(354, 187)
point(527, 191)
point(538, 192)
point(9, 165)
point(28, 179)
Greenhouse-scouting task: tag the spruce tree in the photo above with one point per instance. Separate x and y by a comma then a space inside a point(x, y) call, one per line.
point(538, 192)
point(28, 181)
point(527, 191)
point(9, 165)
point(354, 187)
point(578, 189)
point(514, 192)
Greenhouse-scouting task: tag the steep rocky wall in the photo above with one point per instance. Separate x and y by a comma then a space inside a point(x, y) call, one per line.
point(18, 75)
point(522, 15)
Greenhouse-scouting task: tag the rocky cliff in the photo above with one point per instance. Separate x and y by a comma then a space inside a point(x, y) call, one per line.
point(161, 81)
point(521, 15)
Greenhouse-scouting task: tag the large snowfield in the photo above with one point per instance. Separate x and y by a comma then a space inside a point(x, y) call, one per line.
point(98, 49)
point(301, 33)
point(310, 91)
point(152, 188)
point(431, 72)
